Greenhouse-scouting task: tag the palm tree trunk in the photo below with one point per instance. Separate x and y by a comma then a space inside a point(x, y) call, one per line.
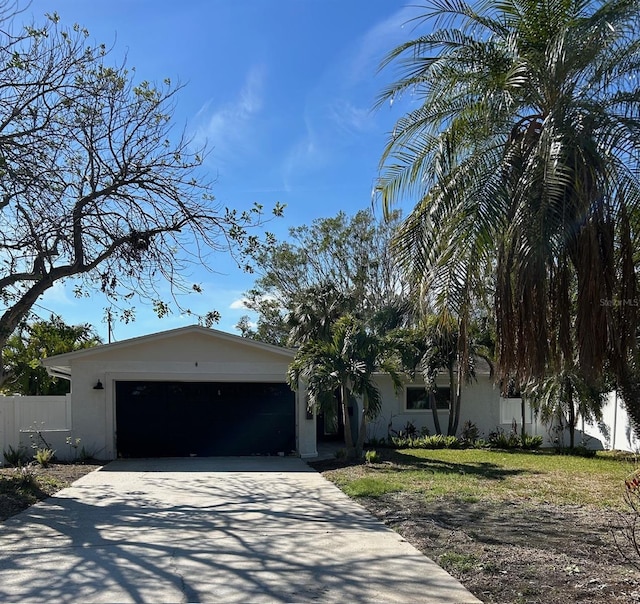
point(572, 418)
point(452, 402)
point(434, 411)
point(344, 403)
point(458, 400)
point(363, 426)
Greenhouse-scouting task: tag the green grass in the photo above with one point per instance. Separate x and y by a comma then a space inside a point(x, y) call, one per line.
point(371, 486)
point(460, 563)
point(475, 474)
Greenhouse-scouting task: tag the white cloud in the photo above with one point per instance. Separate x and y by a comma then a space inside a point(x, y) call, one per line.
point(380, 40)
point(227, 129)
point(339, 109)
point(350, 119)
point(238, 304)
point(60, 293)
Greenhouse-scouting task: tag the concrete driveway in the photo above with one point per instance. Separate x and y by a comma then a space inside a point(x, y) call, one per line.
point(211, 530)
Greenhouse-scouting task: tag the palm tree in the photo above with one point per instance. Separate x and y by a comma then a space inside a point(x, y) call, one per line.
point(314, 312)
point(433, 346)
point(565, 397)
point(344, 362)
point(523, 153)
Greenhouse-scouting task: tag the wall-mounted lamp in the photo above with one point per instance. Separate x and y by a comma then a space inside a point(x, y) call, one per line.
point(98, 386)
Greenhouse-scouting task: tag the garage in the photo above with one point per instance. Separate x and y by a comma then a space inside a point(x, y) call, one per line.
point(189, 391)
point(179, 419)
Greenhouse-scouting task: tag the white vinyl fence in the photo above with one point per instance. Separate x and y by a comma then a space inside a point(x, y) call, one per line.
point(613, 432)
point(23, 417)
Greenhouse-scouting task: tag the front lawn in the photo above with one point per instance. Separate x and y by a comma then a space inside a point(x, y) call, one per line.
point(479, 474)
point(514, 527)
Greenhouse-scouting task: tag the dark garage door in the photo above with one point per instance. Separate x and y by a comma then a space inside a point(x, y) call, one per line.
point(178, 419)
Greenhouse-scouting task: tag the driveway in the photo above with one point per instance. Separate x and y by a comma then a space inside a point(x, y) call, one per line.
point(211, 530)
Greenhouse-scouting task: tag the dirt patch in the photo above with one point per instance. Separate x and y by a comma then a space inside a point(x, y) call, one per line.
point(20, 488)
point(516, 552)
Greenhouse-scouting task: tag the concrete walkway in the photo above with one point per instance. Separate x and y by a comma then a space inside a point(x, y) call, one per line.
point(211, 530)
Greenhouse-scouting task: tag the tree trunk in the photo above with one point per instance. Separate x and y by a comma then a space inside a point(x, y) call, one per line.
point(434, 411)
point(458, 401)
point(572, 418)
point(348, 438)
point(522, 413)
point(363, 426)
point(452, 402)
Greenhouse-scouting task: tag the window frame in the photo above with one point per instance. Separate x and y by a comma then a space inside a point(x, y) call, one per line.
point(427, 409)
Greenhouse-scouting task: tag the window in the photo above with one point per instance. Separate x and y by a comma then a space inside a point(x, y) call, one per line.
point(418, 398)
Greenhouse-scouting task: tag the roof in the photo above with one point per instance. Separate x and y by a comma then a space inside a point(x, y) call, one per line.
point(61, 364)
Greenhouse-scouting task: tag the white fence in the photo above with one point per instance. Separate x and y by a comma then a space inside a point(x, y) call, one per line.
point(22, 417)
point(613, 432)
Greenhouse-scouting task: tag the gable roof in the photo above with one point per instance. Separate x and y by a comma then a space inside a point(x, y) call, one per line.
point(61, 363)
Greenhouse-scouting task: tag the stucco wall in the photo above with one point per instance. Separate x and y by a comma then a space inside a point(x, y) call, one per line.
point(480, 404)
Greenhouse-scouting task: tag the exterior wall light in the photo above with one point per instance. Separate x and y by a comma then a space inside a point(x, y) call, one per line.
point(98, 386)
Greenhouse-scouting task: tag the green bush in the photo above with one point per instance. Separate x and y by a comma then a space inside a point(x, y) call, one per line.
point(512, 440)
point(377, 442)
point(531, 442)
point(15, 457)
point(44, 456)
point(372, 457)
point(578, 451)
point(470, 433)
point(501, 440)
point(437, 441)
point(25, 477)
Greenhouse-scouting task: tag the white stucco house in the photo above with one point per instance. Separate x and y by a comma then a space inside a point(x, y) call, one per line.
point(187, 391)
point(194, 391)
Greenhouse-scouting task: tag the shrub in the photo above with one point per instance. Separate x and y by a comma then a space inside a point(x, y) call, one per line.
point(578, 451)
point(377, 442)
point(501, 440)
point(531, 442)
point(15, 457)
point(44, 456)
point(372, 457)
point(470, 433)
point(408, 432)
point(25, 476)
point(437, 441)
point(512, 440)
point(440, 441)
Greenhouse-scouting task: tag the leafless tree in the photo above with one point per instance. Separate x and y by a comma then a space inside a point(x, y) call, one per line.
point(94, 184)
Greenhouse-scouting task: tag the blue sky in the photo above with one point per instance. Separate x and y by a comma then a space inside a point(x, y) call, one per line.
point(281, 90)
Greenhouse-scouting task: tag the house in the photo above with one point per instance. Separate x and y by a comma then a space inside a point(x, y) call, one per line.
point(201, 392)
point(187, 391)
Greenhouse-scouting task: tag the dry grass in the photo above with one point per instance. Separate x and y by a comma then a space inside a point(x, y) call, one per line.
point(476, 474)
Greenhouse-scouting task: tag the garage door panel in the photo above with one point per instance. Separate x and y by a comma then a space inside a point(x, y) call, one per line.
point(203, 418)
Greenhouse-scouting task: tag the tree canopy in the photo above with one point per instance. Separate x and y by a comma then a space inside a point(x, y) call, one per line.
point(95, 184)
point(332, 267)
point(34, 341)
point(521, 147)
